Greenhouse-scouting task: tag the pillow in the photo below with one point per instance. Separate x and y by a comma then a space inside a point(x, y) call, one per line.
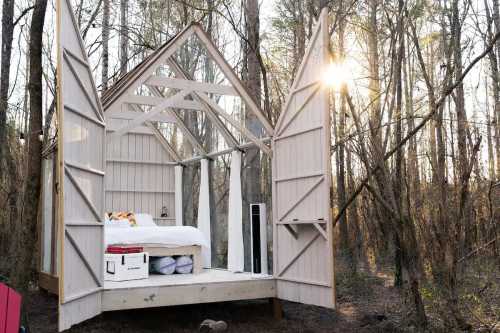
point(184, 265)
point(144, 220)
point(162, 265)
point(123, 223)
point(114, 216)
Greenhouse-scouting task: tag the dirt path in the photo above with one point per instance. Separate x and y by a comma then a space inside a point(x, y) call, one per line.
point(374, 307)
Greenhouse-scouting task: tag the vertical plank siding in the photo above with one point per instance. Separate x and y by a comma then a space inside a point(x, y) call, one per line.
point(140, 174)
point(80, 177)
point(303, 263)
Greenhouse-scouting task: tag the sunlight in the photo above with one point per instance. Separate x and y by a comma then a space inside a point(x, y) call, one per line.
point(336, 75)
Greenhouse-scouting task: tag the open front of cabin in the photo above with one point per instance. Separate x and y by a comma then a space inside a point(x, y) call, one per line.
point(129, 151)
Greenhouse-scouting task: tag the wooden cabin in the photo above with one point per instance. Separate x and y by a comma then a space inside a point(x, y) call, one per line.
point(112, 154)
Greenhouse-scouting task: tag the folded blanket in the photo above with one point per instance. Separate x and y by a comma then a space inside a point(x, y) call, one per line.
point(162, 265)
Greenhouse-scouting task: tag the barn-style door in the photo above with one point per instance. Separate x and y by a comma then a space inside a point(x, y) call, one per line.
point(303, 260)
point(81, 177)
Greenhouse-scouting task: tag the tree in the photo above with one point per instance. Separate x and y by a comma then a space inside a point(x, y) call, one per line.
point(123, 37)
point(105, 45)
point(28, 228)
point(252, 77)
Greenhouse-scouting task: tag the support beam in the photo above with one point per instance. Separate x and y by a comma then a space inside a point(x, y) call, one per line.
point(246, 133)
point(146, 116)
point(179, 216)
point(233, 78)
point(235, 250)
point(215, 154)
point(180, 123)
point(154, 101)
point(143, 72)
point(230, 140)
point(204, 87)
point(204, 213)
point(163, 141)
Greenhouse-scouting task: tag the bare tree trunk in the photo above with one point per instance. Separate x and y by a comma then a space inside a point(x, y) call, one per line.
point(123, 36)
point(341, 182)
point(496, 19)
point(28, 235)
point(105, 45)
point(7, 37)
point(252, 77)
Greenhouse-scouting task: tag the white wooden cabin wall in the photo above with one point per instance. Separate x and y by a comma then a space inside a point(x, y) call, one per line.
point(303, 260)
point(47, 236)
point(140, 175)
point(81, 137)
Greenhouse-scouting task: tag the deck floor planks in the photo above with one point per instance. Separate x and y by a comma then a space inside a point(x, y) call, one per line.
point(212, 285)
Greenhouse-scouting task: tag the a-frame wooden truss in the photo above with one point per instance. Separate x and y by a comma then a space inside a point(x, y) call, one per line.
point(165, 108)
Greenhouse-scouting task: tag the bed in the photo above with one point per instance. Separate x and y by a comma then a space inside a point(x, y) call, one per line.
point(158, 241)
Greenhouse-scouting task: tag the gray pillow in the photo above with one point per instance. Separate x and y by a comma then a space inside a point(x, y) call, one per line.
point(163, 265)
point(184, 265)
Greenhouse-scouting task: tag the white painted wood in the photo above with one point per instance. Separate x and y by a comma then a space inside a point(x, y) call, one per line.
point(163, 141)
point(166, 102)
point(303, 249)
point(80, 206)
point(179, 72)
point(179, 169)
point(155, 101)
point(182, 126)
point(138, 77)
point(139, 174)
point(129, 115)
point(235, 123)
point(211, 285)
point(204, 212)
point(235, 250)
point(205, 87)
point(233, 78)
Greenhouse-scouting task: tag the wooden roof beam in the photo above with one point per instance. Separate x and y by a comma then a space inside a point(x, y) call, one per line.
point(244, 131)
point(156, 100)
point(184, 129)
point(230, 139)
point(167, 102)
point(233, 78)
point(167, 82)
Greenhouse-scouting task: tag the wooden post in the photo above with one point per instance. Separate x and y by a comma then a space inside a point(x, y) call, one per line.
point(276, 307)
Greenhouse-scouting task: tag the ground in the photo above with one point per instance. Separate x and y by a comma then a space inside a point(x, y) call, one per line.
point(373, 306)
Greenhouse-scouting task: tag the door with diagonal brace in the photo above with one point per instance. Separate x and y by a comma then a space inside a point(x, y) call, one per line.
point(80, 209)
point(302, 225)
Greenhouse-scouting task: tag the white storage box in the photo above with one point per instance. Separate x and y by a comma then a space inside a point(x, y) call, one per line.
point(124, 267)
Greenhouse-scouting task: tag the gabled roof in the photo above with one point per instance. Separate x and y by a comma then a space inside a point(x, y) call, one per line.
point(124, 81)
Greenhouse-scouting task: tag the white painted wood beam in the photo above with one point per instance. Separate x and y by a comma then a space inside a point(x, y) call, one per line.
point(136, 80)
point(233, 78)
point(218, 89)
point(182, 126)
point(163, 142)
point(155, 100)
point(219, 125)
point(130, 115)
point(168, 102)
point(246, 133)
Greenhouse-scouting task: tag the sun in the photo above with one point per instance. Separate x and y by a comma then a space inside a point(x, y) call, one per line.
point(336, 75)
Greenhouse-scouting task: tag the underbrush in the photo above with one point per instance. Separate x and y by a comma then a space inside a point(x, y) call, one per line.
point(479, 297)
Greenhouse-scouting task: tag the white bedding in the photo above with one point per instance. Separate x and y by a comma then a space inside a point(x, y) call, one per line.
point(174, 236)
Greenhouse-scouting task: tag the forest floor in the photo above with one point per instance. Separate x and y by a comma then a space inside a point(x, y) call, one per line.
point(365, 304)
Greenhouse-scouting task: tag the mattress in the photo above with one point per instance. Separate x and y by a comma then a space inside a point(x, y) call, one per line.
point(173, 236)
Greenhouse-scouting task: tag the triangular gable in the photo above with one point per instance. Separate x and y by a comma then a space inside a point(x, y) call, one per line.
point(142, 72)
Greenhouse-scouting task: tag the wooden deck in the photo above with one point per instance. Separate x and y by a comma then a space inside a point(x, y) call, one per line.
point(211, 285)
